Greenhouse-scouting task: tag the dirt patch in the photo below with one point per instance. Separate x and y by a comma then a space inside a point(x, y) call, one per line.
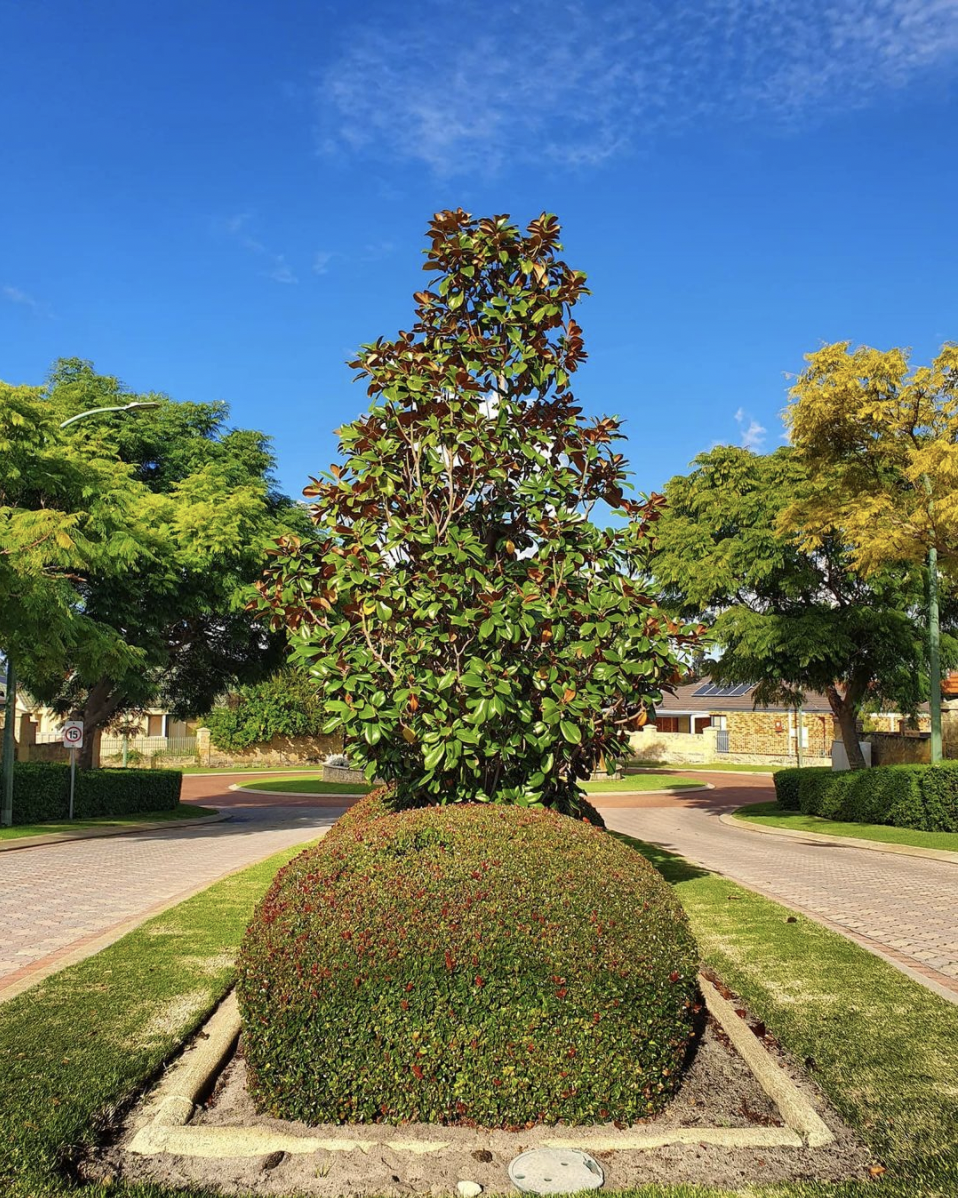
point(718, 1091)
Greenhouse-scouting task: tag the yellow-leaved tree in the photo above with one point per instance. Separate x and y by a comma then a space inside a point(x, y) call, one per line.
point(883, 436)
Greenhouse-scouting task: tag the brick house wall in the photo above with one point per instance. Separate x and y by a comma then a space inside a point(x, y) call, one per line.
point(764, 736)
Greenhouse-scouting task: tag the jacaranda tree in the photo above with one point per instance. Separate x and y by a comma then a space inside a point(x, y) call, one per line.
point(477, 636)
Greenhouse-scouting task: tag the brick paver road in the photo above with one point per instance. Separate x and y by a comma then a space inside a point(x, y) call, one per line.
point(905, 908)
point(61, 902)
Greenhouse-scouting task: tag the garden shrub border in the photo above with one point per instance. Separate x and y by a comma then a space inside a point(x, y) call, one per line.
point(922, 797)
point(41, 792)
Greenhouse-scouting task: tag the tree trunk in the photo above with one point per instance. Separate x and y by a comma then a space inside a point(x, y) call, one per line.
point(101, 704)
point(846, 713)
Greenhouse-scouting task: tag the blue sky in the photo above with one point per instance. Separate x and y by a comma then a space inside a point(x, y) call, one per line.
point(222, 200)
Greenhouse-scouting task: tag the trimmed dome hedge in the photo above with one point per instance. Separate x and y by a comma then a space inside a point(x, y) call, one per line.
point(384, 800)
point(490, 964)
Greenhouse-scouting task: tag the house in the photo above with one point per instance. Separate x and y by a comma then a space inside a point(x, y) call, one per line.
point(152, 733)
point(706, 721)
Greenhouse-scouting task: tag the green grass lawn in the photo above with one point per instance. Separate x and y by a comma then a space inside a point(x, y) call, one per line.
point(773, 816)
point(727, 767)
point(306, 786)
point(114, 821)
point(883, 1048)
point(638, 782)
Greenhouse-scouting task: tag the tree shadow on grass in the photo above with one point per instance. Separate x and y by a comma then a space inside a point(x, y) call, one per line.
point(671, 866)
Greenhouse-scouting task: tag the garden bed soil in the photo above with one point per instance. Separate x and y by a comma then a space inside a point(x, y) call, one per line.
point(718, 1091)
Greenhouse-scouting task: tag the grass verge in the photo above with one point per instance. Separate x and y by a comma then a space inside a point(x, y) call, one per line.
point(773, 816)
point(882, 1047)
point(75, 1048)
point(115, 821)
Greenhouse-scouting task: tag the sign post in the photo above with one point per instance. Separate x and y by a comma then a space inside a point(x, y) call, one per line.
point(73, 739)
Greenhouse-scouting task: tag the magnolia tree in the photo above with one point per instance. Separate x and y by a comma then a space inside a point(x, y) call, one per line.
point(477, 636)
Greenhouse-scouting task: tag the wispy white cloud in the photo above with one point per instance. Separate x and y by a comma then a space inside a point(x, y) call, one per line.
point(322, 260)
point(16, 296)
point(276, 266)
point(374, 251)
point(751, 433)
point(480, 84)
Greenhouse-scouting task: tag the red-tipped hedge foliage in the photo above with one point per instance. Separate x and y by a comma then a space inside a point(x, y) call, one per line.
point(384, 800)
point(479, 964)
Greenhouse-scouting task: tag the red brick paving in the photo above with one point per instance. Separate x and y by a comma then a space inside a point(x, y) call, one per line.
point(904, 908)
point(55, 899)
point(60, 902)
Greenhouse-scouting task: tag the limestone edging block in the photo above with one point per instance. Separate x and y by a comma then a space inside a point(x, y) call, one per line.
point(174, 1101)
point(793, 1106)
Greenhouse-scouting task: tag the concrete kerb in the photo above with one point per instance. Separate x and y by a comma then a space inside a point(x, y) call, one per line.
point(166, 825)
point(841, 842)
point(165, 1124)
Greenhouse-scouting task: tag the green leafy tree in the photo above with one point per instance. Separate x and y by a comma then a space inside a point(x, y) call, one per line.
point(476, 635)
point(63, 513)
point(885, 436)
point(787, 617)
point(178, 610)
point(285, 705)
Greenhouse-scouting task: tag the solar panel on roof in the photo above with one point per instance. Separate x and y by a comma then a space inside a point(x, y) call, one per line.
point(712, 690)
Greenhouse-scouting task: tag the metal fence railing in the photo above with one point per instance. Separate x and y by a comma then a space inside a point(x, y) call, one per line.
point(721, 740)
point(140, 748)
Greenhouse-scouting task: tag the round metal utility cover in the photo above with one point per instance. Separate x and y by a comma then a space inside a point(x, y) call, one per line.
point(555, 1171)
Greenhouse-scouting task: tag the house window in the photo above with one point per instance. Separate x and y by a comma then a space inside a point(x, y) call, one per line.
point(154, 725)
point(666, 723)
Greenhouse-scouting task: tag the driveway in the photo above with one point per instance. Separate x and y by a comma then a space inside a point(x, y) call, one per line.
point(903, 908)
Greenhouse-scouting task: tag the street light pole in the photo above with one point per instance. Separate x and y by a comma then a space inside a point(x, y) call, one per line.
point(934, 637)
point(152, 403)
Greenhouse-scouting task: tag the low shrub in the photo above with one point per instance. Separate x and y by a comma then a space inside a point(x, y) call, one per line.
point(786, 788)
point(484, 964)
point(41, 792)
point(385, 800)
point(924, 797)
point(284, 705)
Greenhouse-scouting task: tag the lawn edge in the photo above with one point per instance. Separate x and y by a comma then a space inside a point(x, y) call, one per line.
point(734, 820)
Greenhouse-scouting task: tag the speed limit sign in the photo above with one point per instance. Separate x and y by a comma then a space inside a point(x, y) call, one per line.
point(73, 734)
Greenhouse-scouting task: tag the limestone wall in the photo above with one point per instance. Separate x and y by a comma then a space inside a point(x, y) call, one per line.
point(651, 745)
point(892, 748)
point(281, 750)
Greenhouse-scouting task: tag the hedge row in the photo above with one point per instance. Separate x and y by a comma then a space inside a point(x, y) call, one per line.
point(924, 797)
point(41, 792)
point(477, 964)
